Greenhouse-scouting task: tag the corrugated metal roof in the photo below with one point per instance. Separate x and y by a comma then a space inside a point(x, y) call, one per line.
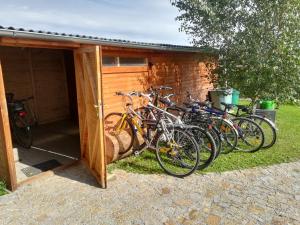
point(48, 35)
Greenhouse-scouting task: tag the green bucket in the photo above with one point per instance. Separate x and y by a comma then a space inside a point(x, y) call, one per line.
point(267, 104)
point(235, 97)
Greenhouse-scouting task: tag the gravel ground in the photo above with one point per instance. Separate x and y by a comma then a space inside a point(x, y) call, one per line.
point(268, 195)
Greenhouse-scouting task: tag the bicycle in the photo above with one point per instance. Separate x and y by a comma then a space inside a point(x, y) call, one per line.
point(268, 127)
point(176, 150)
point(250, 134)
point(221, 129)
point(202, 136)
point(19, 123)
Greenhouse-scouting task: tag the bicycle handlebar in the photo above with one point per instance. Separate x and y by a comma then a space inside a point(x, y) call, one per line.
point(158, 88)
point(20, 100)
point(135, 93)
point(25, 99)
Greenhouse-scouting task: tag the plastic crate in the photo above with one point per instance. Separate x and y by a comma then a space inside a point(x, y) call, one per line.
point(220, 95)
point(235, 97)
point(268, 113)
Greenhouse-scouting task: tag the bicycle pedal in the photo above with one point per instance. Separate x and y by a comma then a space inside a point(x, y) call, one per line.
point(136, 153)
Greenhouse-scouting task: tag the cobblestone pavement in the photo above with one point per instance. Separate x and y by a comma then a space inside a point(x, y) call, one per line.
point(268, 195)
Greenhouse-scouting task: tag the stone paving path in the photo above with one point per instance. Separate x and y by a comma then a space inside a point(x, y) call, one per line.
point(268, 195)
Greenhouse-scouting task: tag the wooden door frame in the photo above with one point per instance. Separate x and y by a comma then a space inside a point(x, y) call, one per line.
point(8, 168)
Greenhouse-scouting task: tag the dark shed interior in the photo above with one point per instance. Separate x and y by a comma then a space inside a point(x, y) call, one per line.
point(48, 76)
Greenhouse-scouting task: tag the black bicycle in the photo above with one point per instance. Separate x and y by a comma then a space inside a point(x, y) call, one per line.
point(268, 127)
point(19, 122)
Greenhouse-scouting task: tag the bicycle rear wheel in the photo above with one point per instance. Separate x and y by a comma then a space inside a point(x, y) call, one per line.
point(178, 156)
point(22, 132)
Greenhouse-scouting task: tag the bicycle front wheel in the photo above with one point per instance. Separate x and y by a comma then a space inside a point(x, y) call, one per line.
point(251, 136)
point(206, 144)
point(215, 134)
point(177, 152)
point(227, 133)
point(268, 129)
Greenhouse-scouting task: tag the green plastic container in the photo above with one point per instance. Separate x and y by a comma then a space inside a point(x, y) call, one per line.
point(235, 97)
point(267, 104)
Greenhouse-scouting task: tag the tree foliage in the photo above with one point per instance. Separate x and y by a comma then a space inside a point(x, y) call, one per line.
point(258, 43)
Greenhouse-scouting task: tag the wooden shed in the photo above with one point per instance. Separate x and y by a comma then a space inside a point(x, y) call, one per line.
point(73, 80)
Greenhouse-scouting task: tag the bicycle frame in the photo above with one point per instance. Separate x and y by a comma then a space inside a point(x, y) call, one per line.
point(132, 114)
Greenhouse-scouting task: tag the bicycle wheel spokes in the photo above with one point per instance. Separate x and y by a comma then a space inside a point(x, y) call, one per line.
point(178, 156)
point(251, 136)
point(206, 145)
point(268, 129)
point(227, 134)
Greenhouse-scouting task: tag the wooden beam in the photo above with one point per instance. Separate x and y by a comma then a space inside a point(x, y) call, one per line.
point(124, 69)
point(34, 43)
point(7, 164)
point(101, 117)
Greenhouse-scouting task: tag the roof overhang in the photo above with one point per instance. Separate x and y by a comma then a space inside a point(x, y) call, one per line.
point(82, 39)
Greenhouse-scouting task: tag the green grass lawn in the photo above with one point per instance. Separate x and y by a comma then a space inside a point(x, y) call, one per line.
point(2, 188)
point(286, 149)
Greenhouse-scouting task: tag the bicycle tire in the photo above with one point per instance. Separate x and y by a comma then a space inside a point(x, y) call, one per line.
point(204, 125)
point(260, 120)
point(129, 134)
point(22, 132)
point(226, 131)
point(207, 146)
point(214, 133)
point(188, 169)
point(239, 121)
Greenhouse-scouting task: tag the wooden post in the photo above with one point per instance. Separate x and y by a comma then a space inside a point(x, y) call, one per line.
point(7, 164)
point(101, 116)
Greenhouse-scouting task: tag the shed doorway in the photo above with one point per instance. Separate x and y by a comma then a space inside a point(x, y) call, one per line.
point(47, 75)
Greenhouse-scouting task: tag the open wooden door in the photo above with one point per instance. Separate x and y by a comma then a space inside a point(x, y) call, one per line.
point(89, 93)
point(7, 164)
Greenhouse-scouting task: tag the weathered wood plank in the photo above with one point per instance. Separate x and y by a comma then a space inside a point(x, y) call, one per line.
point(7, 166)
point(34, 43)
point(88, 79)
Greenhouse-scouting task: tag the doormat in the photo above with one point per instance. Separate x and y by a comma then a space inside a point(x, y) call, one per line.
point(41, 167)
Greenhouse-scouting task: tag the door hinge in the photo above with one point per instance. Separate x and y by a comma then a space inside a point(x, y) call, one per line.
point(99, 109)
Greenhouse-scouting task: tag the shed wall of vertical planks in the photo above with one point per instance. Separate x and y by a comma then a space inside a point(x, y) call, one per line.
point(39, 73)
point(182, 71)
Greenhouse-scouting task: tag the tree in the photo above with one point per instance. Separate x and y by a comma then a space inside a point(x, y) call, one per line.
point(258, 43)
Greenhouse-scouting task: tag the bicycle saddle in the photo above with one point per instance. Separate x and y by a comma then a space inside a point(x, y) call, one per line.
point(242, 107)
point(166, 102)
point(228, 106)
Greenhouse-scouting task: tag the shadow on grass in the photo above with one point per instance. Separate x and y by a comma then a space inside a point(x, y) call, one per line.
point(146, 163)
